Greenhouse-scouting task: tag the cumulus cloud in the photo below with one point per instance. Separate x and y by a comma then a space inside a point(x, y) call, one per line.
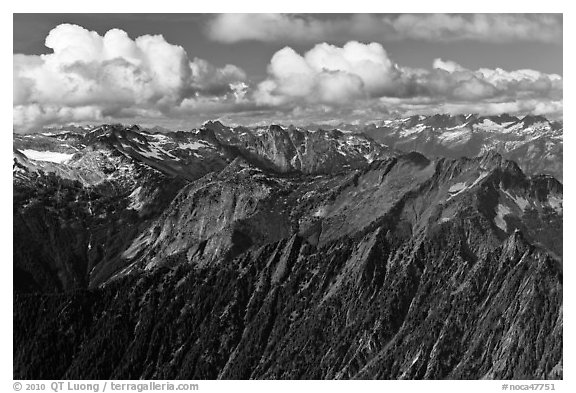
point(90, 77)
point(285, 28)
point(207, 79)
point(331, 75)
point(448, 65)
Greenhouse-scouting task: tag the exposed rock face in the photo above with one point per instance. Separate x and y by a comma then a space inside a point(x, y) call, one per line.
point(279, 261)
point(298, 150)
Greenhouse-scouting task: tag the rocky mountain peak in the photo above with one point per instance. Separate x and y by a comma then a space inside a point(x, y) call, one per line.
point(215, 125)
point(529, 120)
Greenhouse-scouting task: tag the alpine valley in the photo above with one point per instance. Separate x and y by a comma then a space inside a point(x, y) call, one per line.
point(428, 247)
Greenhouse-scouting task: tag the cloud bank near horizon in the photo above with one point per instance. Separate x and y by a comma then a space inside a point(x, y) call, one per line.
point(95, 78)
point(291, 28)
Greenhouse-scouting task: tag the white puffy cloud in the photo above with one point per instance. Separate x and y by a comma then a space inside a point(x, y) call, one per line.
point(448, 65)
point(208, 79)
point(286, 28)
point(94, 78)
point(451, 80)
point(331, 75)
point(88, 77)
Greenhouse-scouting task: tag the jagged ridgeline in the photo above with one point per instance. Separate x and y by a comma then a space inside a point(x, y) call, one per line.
point(275, 252)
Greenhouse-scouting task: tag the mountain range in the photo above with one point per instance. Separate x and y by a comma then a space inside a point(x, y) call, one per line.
point(421, 248)
point(534, 142)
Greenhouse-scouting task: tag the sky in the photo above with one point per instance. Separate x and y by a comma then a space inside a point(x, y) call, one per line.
point(179, 70)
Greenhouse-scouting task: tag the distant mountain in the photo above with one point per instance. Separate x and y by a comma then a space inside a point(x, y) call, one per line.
point(192, 154)
point(280, 252)
point(534, 142)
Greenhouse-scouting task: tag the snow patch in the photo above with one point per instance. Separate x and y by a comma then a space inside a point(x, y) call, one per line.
point(457, 187)
point(416, 358)
point(156, 151)
point(136, 202)
point(501, 211)
point(193, 145)
point(414, 130)
point(555, 203)
point(50, 156)
point(161, 138)
point(489, 125)
point(369, 157)
point(522, 202)
point(321, 212)
point(455, 127)
point(479, 178)
point(456, 136)
point(460, 187)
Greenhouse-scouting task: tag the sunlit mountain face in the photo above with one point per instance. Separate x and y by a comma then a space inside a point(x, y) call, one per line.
point(227, 252)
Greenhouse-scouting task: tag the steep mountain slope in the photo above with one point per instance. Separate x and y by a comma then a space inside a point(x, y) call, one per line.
point(242, 207)
point(279, 261)
point(98, 187)
point(534, 142)
point(65, 233)
point(351, 310)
